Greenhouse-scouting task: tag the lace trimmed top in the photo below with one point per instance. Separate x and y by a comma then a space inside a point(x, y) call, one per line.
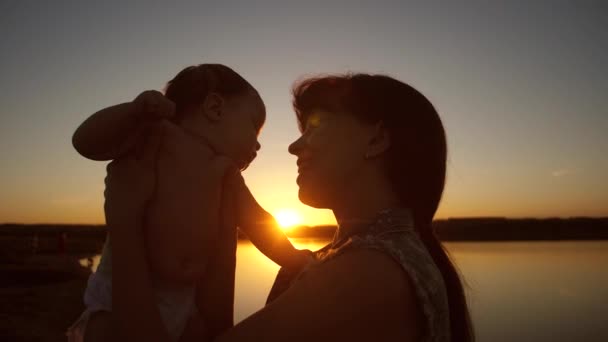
point(392, 232)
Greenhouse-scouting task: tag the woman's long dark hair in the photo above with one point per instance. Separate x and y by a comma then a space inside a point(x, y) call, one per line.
point(416, 157)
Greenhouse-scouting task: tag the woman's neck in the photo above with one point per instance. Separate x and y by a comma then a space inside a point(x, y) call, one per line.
point(360, 205)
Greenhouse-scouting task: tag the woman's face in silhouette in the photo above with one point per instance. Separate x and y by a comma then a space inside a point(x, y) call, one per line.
point(330, 153)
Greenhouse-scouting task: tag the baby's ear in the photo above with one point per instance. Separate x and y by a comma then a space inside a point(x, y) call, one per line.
point(212, 107)
point(379, 141)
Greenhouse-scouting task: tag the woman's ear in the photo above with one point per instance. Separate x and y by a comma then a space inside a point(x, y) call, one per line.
point(212, 107)
point(379, 141)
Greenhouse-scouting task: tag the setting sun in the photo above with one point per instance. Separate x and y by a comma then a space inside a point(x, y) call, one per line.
point(287, 218)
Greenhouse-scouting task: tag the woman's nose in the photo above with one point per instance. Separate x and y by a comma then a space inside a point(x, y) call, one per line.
point(296, 146)
point(257, 146)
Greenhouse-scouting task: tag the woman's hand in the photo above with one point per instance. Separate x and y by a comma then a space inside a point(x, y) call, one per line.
point(152, 104)
point(131, 180)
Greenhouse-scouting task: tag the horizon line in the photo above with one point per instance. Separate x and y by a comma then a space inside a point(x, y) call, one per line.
point(334, 224)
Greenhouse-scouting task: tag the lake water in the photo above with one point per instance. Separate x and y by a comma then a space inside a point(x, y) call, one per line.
point(518, 291)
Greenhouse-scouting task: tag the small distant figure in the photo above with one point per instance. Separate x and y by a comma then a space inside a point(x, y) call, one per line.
point(62, 243)
point(35, 244)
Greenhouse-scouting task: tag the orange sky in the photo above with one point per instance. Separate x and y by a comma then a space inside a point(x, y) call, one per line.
point(522, 93)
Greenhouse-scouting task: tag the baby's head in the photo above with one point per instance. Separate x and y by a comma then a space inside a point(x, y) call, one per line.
point(214, 102)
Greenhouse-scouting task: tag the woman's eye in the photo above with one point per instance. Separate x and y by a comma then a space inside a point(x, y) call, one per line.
point(313, 121)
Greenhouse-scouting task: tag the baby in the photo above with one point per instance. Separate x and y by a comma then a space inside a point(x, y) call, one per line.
point(210, 118)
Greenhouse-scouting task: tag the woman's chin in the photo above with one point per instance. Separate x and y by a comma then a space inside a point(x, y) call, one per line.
point(309, 198)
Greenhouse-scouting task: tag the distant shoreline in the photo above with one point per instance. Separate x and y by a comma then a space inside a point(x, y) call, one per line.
point(453, 229)
point(498, 229)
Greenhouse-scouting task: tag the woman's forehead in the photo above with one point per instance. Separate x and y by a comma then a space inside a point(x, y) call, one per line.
point(317, 116)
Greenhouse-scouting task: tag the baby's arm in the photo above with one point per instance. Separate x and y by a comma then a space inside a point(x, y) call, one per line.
point(113, 131)
point(264, 232)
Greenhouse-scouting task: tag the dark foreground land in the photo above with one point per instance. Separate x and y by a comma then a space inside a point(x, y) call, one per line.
point(41, 290)
point(42, 278)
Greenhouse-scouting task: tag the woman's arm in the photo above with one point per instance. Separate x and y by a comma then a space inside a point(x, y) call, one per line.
point(361, 295)
point(129, 186)
point(215, 290)
point(134, 307)
point(113, 131)
point(108, 133)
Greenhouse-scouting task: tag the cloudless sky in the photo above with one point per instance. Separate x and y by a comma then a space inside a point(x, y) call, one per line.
point(522, 88)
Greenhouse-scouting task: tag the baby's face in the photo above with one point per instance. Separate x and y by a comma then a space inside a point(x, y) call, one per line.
point(231, 125)
point(243, 117)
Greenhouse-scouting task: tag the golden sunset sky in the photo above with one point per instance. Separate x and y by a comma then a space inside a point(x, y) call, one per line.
point(522, 89)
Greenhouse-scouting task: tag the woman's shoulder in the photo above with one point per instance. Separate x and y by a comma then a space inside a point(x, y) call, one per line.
point(362, 294)
point(404, 247)
point(368, 282)
point(360, 271)
point(393, 235)
point(393, 246)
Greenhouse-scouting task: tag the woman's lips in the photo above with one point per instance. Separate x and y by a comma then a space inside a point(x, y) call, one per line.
point(302, 169)
point(302, 165)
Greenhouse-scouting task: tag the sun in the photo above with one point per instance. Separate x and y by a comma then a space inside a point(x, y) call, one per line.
point(287, 218)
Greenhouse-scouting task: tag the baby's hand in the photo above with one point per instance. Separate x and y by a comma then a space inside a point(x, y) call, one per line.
point(300, 259)
point(153, 105)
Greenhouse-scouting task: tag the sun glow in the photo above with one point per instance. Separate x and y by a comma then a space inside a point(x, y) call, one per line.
point(287, 218)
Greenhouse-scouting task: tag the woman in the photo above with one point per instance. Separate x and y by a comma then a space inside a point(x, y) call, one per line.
point(373, 151)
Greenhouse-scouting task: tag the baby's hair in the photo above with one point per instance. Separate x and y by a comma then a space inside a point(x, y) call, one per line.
point(192, 85)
